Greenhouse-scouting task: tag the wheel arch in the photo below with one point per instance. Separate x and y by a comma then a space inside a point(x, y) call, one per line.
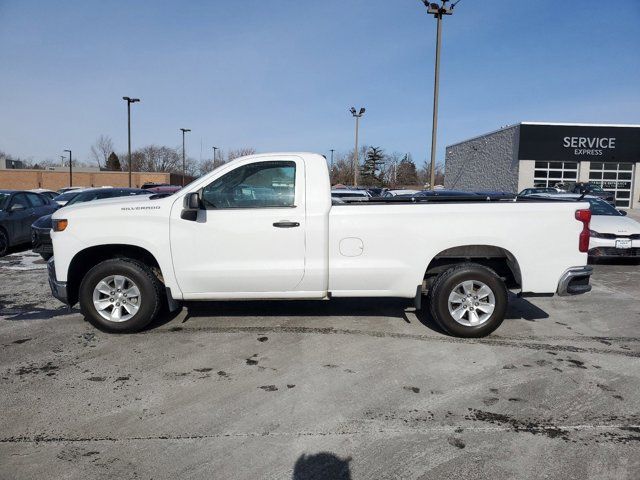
point(499, 259)
point(85, 259)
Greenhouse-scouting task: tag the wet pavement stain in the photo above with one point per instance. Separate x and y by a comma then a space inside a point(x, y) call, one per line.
point(263, 339)
point(268, 388)
point(411, 389)
point(456, 442)
point(22, 340)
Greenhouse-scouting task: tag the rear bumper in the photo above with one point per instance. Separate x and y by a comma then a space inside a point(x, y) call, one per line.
point(575, 281)
point(58, 289)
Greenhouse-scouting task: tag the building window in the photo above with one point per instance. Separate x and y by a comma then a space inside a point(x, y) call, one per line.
point(615, 178)
point(550, 174)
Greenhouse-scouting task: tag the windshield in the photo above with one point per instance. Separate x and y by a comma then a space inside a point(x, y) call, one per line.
point(3, 199)
point(65, 197)
point(600, 207)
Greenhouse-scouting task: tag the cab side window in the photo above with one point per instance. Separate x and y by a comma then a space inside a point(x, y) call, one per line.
point(256, 185)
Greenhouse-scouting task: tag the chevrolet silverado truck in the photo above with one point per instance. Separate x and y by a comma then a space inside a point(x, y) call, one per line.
point(264, 227)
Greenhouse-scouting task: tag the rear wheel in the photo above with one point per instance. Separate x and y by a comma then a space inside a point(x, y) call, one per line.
point(4, 243)
point(468, 300)
point(120, 295)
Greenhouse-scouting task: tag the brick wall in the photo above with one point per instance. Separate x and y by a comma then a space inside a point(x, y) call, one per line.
point(28, 179)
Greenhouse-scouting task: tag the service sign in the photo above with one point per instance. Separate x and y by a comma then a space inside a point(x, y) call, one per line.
point(577, 143)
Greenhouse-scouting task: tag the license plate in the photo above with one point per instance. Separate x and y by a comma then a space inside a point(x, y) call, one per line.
point(624, 243)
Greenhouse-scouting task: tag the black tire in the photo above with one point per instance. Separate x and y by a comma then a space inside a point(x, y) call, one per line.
point(147, 283)
point(445, 284)
point(46, 256)
point(4, 242)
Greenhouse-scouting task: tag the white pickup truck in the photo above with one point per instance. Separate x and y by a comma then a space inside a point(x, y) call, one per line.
point(264, 227)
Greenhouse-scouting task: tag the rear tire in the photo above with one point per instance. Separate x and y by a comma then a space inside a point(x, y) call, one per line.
point(468, 300)
point(120, 295)
point(4, 242)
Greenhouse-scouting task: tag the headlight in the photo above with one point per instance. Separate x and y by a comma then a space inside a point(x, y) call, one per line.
point(593, 233)
point(60, 225)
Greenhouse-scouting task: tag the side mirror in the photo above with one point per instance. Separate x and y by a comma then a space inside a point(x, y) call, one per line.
point(16, 207)
point(190, 207)
point(623, 213)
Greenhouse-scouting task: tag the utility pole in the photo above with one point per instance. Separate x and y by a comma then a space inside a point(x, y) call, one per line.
point(129, 101)
point(70, 168)
point(437, 11)
point(214, 155)
point(184, 168)
point(331, 163)
point(356, 163)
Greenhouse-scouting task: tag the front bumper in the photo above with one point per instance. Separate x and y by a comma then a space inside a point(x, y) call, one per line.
point(41, 240)
point(575, 281)
point(58, 289)
point(606, 247)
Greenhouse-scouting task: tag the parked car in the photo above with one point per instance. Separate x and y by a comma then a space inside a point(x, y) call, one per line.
point(50, 194)
point(595, 190)
point(41, 228)
point(67, 196)
point(162, 189)
point(537, 190)
point(611, 232)
point(351, 195)
point(18, 210)
point(394, 193)
point(122, 259)
point(69, 189)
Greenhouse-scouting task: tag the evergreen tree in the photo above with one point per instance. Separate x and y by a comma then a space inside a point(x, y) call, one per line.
point(370, 173)
point(407, 172)
point(113, 162)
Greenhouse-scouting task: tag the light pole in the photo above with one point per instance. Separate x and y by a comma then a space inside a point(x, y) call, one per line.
point(129, 101)
point(356, 164)
point(70, 169)
point(184, 168)
point(214, 155)
point(331, 163)
point(437, 11)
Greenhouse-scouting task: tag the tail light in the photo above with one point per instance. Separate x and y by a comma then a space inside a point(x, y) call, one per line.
point(584, 216)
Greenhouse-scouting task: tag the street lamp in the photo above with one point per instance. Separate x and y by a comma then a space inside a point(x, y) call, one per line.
point(355, 156)
point(70, 169)
point(214, 155)
point(331, 164)
point(184, 168)
point(129, 101)
point(437, 11)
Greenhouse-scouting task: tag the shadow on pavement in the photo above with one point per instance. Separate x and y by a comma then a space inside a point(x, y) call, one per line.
point(321, 466)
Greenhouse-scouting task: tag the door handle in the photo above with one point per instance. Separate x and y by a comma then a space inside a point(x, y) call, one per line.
point(286, 224)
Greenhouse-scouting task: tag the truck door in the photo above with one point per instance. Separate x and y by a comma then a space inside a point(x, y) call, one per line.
point(249, 235)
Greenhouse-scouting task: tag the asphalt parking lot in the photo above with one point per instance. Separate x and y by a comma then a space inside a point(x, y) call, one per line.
point(357, 389)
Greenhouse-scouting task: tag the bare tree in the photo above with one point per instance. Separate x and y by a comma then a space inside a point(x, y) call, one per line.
point(101, 150)
point(239, 152)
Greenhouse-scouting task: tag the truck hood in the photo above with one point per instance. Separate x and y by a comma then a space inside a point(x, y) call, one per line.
point(134, 202)
point(614, 224)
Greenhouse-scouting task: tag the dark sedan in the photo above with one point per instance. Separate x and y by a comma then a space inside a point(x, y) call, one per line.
point(18, 210)
point(41, 228)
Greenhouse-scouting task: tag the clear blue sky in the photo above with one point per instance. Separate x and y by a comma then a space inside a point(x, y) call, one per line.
point(281, 74)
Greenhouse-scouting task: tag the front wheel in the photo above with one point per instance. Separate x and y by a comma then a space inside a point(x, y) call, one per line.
point(4, 243)
point(468, 300)
point(120, 295)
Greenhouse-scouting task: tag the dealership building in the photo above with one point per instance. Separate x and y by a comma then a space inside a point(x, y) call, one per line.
point(532, 154)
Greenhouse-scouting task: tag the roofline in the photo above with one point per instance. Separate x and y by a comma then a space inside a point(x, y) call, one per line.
point(559, 124)
point(501, 129)
point(623, 125)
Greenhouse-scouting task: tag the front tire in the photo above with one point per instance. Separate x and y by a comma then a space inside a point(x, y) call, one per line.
point(120, 295)
point(468, 300)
